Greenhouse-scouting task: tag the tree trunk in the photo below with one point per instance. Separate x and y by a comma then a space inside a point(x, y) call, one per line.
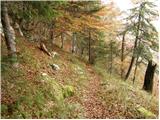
point(122, 55)
point(138, 54)
point(130, 67)
point(111, 57)
point(149, 75)
point(135, 70)
point(9, 34)
point(82, 51)
point(73, 42)
point(52, 37)
point(89, 48)
point(62, 40)
point(135, 46)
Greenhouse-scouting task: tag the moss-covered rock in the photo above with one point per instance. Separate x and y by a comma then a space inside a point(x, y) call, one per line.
point(146, 113)
point(55, 88)
point(4, 108)
point(68, 91)
point(60, 92)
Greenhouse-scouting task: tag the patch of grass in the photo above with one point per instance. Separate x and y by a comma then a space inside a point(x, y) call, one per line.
point(26, 57)
point(80, 74)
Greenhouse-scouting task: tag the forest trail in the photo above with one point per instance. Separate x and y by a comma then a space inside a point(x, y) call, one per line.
point(93, 105)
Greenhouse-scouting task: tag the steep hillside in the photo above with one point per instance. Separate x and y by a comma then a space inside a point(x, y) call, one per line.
point(70, 89)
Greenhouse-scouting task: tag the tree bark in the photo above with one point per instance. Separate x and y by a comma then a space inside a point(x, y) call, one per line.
point(149, 75)
point(9, 34)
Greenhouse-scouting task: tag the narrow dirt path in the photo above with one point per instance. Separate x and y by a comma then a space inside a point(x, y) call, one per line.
point(93, 106)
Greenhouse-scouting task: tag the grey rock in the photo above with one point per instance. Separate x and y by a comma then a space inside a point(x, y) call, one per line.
point(54, 54)
point(55, 67)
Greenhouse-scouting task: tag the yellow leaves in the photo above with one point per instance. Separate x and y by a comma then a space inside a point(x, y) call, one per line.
point(91, 22)
point(102, 12)
point(78, 23)
point(108, 16)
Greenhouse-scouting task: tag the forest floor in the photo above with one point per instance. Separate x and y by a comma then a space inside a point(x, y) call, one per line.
point(35, 90)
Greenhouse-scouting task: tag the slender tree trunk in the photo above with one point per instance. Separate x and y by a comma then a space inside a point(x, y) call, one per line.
point(62, 40)
point(52, 37)
point(9, 34)
point(149, 75)
point(135, 46)
point(111, 57)
point(73, 42)
point(135, 70)
point(122, 55)
point(82, 51)
point(134, 76)
point(130, 67)
point(89, 47)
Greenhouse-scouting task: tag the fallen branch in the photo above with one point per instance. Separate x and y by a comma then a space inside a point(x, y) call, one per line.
point(43, 48)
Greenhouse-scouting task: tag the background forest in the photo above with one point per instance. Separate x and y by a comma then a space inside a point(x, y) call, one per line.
point(79, 59)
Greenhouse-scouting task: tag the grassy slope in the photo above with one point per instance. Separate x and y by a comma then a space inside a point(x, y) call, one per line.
point(26, 93)
point(123, 98)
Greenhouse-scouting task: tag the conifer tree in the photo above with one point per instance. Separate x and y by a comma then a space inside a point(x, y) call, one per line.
point(142, 28)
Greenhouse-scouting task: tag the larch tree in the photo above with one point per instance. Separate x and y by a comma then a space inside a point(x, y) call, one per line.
point(142, 29)
point(83, 18)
